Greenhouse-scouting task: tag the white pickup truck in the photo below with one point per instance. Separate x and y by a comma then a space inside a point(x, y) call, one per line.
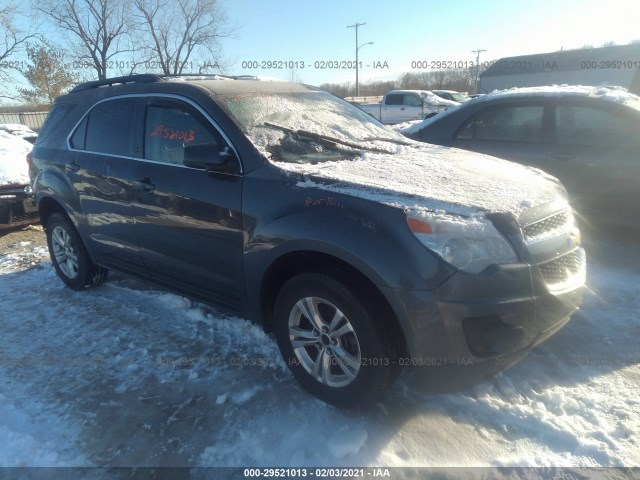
point(404, 105)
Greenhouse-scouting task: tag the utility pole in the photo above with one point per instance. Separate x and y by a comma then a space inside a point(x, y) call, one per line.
point(477, 52)
point(358, 47)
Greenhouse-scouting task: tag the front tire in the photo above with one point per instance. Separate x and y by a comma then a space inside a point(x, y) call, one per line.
point(69, 255)
point(332, 342)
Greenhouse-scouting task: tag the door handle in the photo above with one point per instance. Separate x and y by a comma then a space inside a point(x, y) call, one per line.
point(401, 108)
point(563, 156)
point(72, 166)
point(145, 185)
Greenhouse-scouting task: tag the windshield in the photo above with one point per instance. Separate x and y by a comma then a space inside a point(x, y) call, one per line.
point(308, 127)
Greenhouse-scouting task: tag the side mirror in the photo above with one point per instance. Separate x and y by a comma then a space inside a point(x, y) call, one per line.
point(210, 158)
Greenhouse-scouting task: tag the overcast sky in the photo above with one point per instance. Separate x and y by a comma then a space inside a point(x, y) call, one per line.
point(413, 30)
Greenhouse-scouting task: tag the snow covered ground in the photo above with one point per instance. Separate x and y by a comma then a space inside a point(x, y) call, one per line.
point(13, 163)
point(130, 375)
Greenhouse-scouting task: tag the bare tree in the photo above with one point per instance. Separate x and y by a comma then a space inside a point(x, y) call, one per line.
point(12, 42)
point(461, 80)
point(177, 32)
point(99, 28)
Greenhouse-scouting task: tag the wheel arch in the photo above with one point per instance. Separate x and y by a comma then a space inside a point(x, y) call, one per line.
point(293, 263)
point(47, 206)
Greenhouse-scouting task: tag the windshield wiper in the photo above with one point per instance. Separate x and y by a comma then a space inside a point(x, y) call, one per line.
point(390, 140)
point(331, 141)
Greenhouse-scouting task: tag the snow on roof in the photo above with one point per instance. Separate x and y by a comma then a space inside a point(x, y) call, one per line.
point(615, 94)
point(13, 165)
point(253, 86)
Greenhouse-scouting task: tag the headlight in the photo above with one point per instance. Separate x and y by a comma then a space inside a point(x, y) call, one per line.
point(470, 244)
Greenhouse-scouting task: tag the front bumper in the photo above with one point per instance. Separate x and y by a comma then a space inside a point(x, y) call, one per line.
point(474, 326)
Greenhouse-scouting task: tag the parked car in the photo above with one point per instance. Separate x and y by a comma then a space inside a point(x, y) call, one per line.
point(585, 136)
point(451, 95)
point(399, 106)
point(17, 206)
point(361, 250)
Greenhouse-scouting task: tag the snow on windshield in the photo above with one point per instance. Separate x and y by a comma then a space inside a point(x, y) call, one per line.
point(318, 113)
point(13, 164)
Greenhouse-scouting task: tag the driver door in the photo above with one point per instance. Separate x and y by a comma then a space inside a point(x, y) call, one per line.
point(187, 220)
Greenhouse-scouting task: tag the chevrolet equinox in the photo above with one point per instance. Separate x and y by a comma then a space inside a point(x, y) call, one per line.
point(361, 250)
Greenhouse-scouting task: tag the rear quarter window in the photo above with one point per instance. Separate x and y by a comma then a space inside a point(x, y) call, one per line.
point(56, 126)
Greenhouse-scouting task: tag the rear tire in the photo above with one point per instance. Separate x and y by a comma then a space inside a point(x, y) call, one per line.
point(332, 341)
point(69, 255)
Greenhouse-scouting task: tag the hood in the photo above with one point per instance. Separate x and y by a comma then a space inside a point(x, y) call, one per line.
point(435, 178)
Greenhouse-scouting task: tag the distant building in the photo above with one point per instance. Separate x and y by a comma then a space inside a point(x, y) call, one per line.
point(617, 65)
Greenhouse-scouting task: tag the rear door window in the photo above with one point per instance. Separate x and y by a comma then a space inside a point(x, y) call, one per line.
point(590, 126)
point(412, 101)
point(110, 127)
point(394, 99)
point(505, 124)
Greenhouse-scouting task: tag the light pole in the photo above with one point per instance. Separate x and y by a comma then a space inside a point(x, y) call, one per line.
point(368, 43)
point(477, 52)
point(358, 47)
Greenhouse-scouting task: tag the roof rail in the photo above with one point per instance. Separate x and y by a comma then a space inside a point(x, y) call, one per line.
point(210, 75)
point(138, 78)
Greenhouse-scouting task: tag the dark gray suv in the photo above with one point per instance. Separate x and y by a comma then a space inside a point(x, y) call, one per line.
point(361, 250)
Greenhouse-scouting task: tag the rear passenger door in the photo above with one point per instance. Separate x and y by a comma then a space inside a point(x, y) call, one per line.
point(103, 147)
point(188, 221)
point(596, 154)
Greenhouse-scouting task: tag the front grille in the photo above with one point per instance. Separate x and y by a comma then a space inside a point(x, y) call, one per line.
point(13, 212)
point(547, 226)
point(553, 243)
point(563, 271)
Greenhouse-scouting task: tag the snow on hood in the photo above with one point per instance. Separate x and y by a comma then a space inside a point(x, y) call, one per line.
point(13, 164)
point(430, 177)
